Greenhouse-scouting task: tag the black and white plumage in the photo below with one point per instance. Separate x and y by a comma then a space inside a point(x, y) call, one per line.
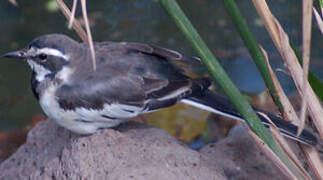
point(130, 79)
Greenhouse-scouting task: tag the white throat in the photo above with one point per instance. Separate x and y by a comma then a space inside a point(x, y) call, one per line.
point(64, 74)
point(40, 71)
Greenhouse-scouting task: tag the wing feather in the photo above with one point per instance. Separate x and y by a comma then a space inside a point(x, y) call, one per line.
point(135, 74)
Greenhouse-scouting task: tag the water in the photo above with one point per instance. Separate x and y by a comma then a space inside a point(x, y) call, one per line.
point(142, 21)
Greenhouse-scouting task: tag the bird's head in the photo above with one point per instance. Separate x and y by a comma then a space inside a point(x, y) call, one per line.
point(46, 55)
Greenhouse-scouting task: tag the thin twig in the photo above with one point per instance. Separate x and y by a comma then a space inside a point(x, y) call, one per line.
point(76, 25)
point(318, 20)
point(289, 112)
point(272, 156)
point(281, 42)
point(307, 29)
point(70, 24)
point(13, 2)
point(313, 160)
point(286, 148)
point(88, 31)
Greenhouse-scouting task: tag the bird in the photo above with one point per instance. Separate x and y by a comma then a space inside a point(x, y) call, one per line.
point(130, 79)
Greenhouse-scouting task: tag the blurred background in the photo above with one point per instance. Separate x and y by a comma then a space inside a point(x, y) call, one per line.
point(146, 21)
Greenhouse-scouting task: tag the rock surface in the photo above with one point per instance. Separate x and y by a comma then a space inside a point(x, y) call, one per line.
point(240, 158)
point(133, 151)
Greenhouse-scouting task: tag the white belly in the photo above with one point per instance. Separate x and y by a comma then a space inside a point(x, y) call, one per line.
point(84, 121)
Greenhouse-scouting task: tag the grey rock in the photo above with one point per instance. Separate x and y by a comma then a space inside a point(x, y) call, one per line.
point(241, 159)
point(133, 151)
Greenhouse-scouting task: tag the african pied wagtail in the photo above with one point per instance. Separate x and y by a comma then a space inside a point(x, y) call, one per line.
point(130, 79)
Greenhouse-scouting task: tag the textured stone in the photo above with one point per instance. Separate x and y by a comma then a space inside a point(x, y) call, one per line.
point(133, 151)
point(240, 158)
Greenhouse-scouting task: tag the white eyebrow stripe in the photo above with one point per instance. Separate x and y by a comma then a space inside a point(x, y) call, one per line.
point(52, 52)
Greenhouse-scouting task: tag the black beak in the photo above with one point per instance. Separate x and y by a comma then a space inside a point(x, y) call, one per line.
point(21, 54)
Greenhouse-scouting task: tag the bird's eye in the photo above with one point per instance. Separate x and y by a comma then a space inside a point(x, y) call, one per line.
point(42, 57)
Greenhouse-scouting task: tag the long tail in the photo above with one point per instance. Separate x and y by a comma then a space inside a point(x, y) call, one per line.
point(219, 104)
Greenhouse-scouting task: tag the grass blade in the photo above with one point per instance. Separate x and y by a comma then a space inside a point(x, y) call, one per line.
point(223, 80)
point(252, 46)
point(281, 41)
